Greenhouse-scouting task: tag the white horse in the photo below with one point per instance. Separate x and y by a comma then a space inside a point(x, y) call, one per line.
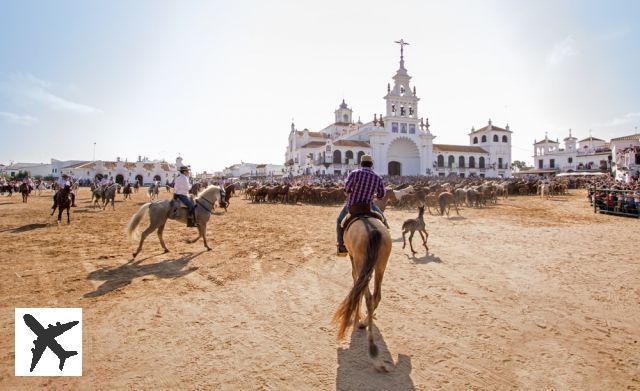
point(161, 211)
point(407, 190)
point(544, 190)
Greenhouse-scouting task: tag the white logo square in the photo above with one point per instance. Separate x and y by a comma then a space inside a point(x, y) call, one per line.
point(48, 342)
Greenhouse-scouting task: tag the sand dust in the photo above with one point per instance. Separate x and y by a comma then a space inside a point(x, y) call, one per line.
point(528, 294)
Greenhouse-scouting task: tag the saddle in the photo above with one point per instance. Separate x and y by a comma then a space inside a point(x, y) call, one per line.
point(175, 205)
point(357, 212)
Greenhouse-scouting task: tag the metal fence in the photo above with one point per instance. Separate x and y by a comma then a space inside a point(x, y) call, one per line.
point(615, 202)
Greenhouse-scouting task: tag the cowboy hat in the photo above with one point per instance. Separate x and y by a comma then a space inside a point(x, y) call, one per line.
point(366, 158)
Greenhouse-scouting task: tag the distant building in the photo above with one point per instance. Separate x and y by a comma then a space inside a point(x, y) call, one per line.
point(589, 154)
point(145, 171)
point(400, 142)
point(33, 169)
point(626, 156)
point(252, 170)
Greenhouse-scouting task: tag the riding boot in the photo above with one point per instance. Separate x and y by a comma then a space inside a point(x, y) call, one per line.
point(191, 220)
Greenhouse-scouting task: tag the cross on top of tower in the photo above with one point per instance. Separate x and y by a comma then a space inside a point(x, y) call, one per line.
point(402, 44)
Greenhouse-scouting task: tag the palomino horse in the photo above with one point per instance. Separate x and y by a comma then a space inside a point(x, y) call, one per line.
point(544, 191)
point(389, 195)
point(62, 201)
point(369, 246)
point(161, 211)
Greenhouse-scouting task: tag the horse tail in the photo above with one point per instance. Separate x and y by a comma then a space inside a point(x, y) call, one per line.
point(135, 220)
point(349, 310)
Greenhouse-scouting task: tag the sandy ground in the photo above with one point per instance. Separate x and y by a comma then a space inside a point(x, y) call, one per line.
point(528, 294)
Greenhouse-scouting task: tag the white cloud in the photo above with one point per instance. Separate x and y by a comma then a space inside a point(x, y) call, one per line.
point(562, 50)
point(26, 86)
point(625, 119)
point(25, 120)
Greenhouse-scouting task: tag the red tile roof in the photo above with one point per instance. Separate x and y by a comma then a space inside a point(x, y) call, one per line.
point(493, 127)
point(314, 144)
point(632, 137)
point(352, 143)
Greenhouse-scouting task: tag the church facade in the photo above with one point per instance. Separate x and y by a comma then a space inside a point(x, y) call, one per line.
point(400, 142)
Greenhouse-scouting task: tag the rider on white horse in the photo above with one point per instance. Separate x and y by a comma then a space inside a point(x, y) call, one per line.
point(181, 192)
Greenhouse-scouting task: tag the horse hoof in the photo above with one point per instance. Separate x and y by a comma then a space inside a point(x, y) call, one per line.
point(166, 250)
point(208, 248)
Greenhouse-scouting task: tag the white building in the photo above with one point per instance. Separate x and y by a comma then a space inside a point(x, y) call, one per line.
point(400, 142)
point(252, 170)
point(626, 156)
point(589, 154)
point(145, 171)
point(33, 169)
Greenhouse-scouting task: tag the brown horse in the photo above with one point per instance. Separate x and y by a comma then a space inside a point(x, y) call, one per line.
point(445, 200)
point(369, 246)
point(25, 190)
point(62, 201)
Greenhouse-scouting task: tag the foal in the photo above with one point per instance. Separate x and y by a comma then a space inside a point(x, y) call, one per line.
point(414, 225)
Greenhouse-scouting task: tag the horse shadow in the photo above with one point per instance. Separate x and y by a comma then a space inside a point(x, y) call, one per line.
point(427, 258)
point(6, 203)
point(356, 372)
point(121, 276)
point(457, 218)
point(26, 228)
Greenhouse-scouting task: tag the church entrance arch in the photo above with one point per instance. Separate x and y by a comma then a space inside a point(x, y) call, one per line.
point(139, 179)
point(394, 168)
point(120, 179)
point(404, 152)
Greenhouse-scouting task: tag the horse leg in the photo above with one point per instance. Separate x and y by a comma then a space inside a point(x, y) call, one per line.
point(60, 209)
point(160, 230)
point(373, 349)
point(68, 215)
point(424, 239)
point(404, 241)
point(113, 203)
point(202, 229)
point(152, 227)
point(411, 241)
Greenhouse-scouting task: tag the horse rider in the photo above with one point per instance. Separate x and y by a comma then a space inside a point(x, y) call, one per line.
point(64, 183)
point(181, 192)
point(362, 184)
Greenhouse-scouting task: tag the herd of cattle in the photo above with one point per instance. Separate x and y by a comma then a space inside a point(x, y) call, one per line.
point(431, 193)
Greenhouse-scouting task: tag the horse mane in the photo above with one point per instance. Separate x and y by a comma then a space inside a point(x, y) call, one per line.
point(207, 190)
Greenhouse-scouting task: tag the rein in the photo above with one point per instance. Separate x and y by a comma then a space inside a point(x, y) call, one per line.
point(204, 207)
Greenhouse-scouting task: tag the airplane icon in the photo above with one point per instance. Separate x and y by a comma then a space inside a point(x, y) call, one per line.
point(47, 338)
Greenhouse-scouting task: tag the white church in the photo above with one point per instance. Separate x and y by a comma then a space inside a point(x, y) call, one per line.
point(400, 141)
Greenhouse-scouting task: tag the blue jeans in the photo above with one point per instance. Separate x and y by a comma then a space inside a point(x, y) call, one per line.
point(343, 214)
point(185, 200)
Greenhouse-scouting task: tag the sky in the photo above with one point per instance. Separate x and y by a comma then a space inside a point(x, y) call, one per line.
point(220, 82)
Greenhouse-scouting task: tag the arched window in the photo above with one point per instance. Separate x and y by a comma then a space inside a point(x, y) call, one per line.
point(348, 156)
point(461, 161)
point(337, 156)
point(360, 155)
point(475, 140)
point(495, 138)
point(440, 161)
point(481, 162)
point(505, 139)
point(452, 160)
point(345, 118)
point(484, 139)
point(472, 162)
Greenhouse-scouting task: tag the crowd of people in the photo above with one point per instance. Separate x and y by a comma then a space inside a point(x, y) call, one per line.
point(615, 197)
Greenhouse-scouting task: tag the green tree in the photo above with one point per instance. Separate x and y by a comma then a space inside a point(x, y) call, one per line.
point(520, 165)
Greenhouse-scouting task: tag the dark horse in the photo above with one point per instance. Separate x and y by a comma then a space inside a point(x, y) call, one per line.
point(229, 190)
point(62, 201)
point(25, 189)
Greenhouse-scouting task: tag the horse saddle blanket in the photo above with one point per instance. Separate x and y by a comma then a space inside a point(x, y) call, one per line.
point(357, 212)
point(175, 205)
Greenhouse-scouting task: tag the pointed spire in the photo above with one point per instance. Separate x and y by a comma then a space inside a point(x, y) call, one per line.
point(388, 87)
point(569, 132)
point(414, 90)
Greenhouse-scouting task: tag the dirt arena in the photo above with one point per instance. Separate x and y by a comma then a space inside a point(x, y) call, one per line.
point(527, 294)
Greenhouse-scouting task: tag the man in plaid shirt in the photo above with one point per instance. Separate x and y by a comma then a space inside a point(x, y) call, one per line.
point(362, 184)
